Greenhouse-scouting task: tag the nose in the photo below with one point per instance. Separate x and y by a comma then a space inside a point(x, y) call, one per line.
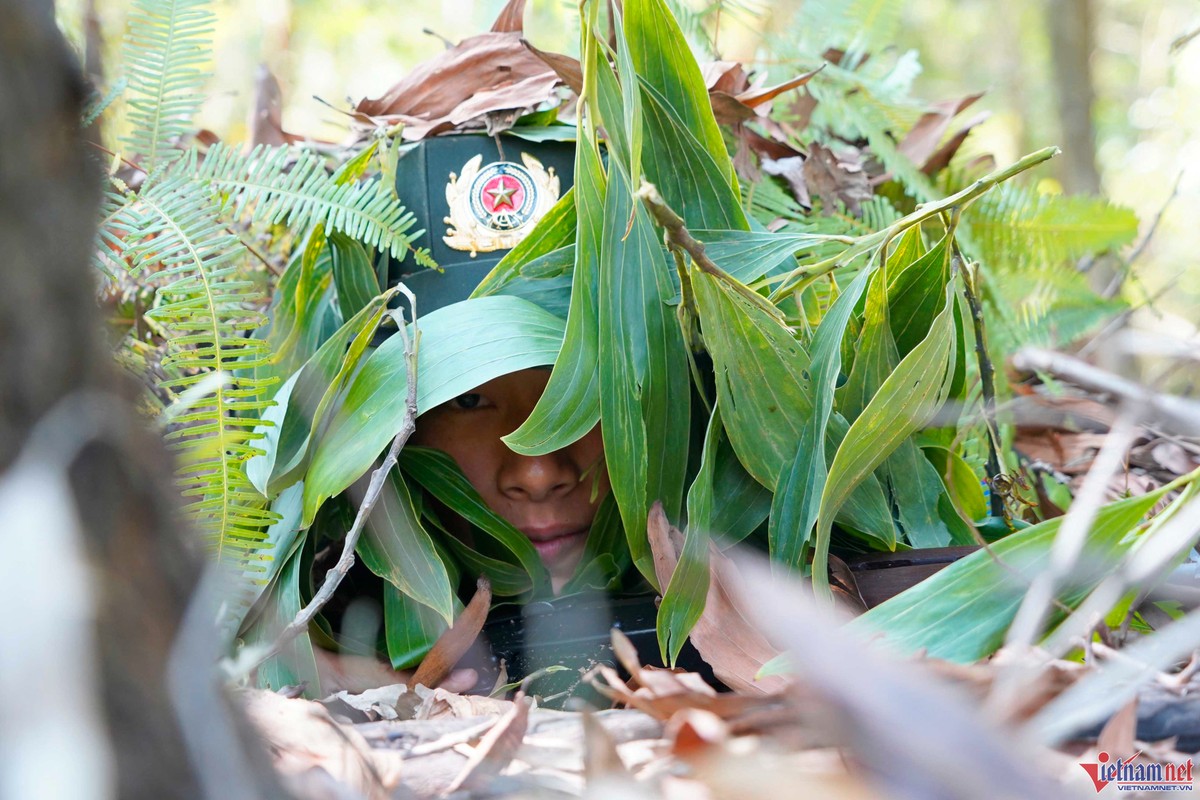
point(537, 478)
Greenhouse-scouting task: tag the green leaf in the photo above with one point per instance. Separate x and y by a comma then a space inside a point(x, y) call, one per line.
point(166, 54)
point(461, 346)
point(794, 507)
point(743, 502)
point(749, 255)
point(645, 398)
point(684, 598)
point(664, 61)
point(353, 274)
point(440, 476)
point(961, 613)
point(397, 548)
point(915, 291)
point(303, 402)
point(295, 665)
point(906, 401)
point(570, 405)
point(282, 537)
point(410, 628)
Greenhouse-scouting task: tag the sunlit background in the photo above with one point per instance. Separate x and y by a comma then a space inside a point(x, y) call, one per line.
point(1145, 74)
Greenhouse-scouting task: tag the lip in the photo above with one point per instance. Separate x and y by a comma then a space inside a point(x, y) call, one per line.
point(554, 541)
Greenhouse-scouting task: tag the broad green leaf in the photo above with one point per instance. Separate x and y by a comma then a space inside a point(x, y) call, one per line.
point(961, 613)
point(664, 61)
point(763, 385)
point(906, 401)
point(437, 473)
point(303, 401)
point(794, 507)
point(398, 549)
point(295, 665)
point(296, 307)
point(555, 230)
point(281, 539)
point(749, 255)
point(644, 385)
point(689, 178)
point(744, 502)
point(684, 597)
point(461, 346)
point(962, 482)
point(353, 274)
point(914, 484)
point(915, 291)
point(410, 628)
point(570, 405)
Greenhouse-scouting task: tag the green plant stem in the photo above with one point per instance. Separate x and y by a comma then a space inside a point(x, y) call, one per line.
point(927, 211)
point(987, 380)
point(334, 576)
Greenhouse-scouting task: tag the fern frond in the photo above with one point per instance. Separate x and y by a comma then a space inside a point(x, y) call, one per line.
point(166, 54)
point(266, 187)
point(205, 311)
point(1015, 227)
point(1049, 307)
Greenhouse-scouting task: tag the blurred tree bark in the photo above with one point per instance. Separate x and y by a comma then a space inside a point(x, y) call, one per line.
point(51, 350)
point(1070, 23)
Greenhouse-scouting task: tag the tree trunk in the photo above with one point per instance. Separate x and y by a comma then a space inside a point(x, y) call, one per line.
point(51, 354)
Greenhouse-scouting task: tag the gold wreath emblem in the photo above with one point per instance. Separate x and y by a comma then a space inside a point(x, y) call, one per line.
point(473, 228)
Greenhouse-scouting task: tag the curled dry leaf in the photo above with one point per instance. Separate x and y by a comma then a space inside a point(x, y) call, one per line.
point(837, 177)
point(481, 75)
point(302, 737)
point(496, 749)
point(922, 142)
point(725, 636)
point(452, 645)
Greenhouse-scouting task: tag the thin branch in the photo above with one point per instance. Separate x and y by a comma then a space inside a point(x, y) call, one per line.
point(987, 379)
point(1178, 414)
point(334, 576)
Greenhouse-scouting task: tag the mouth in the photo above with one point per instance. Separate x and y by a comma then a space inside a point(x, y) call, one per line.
point(552, 543)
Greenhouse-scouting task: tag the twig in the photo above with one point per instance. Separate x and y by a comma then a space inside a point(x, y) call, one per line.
point(333, 577)
point(987, 379)
point(1180, 414)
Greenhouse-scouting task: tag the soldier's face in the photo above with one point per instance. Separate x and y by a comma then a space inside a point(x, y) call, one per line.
point(548, 498)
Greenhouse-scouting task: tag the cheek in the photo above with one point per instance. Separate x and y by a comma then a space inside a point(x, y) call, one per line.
point(472, 449)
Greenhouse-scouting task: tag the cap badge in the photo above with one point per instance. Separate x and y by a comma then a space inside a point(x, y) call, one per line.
point(494, 207)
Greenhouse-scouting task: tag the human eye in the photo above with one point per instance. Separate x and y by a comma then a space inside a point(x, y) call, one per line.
point(468, 401)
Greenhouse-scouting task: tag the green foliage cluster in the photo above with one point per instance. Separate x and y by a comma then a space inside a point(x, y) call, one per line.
point(807, 382)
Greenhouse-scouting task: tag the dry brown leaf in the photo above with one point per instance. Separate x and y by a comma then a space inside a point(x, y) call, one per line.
point(266, 113)
point(922, 141)
point(1119, 734)
point(756, 97)
point(600, 756)
point(836, 177)
point(496, 749)
point(941, 159)
point(724, 635)
point(491, 72)
point(511, 18)
point(454, 643)
point(694, 732)
point(440, 703)
point(566, 67)
point(302, 737)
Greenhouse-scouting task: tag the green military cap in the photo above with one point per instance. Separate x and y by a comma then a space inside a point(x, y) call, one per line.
point(476, 197)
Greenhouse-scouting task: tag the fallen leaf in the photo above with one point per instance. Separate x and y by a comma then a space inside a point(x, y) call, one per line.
point(454, 643)
point(725, 636)
point(440, 704)
point(922, 141)
point(694, 732)
point(791, 169)
point(1118, 735)
point(266, 113)
point(496, 749)
point(301, 736)
point(566, 67)
point(371, 705)
point(836, 177)
point(511, 18)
